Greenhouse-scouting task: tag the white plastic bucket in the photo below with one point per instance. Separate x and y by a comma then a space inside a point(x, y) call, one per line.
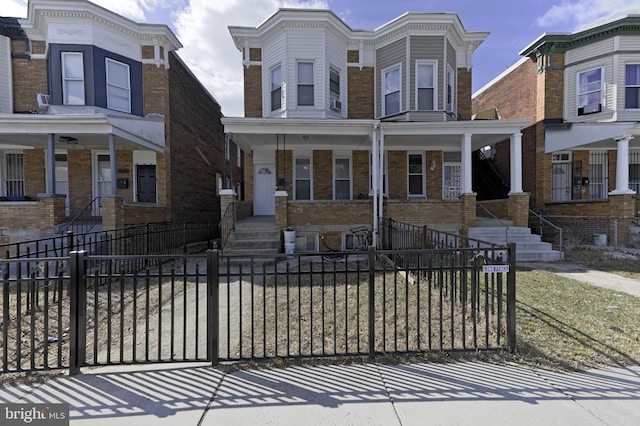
point(290, 236)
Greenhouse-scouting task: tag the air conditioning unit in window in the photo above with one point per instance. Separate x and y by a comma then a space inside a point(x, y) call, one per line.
point(336, 105)
point(43, 101)
point(590, 109)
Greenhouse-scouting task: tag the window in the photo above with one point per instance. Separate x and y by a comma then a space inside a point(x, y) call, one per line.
point(451, 175)
point(306, 242)
point(632, 86)
point(276, 88)
point(72, 78)
point(342, 178)
point(334, 83)
point(561, 176)
point(589, 91)
point(426, 82)
point(118, 86)
point(302, 178)
point(598, 182)
point(13, 174)
point(416, 175)
point(451, 90)
point(305, 84)
point(391, 85)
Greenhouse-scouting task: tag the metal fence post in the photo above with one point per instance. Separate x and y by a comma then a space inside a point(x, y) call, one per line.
point(78, 311)
point(213, 307)
point(372, 313)
point(511, 299)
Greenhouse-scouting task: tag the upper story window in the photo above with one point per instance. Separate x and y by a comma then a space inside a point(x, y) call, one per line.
point(118, 86)
point(276, 88)
point(426, 83)
point(392, 96)
point(451, 90)
point(305, 84)
point(632, 86)
point(334, 83)
point(590, 91)
point(72, 78)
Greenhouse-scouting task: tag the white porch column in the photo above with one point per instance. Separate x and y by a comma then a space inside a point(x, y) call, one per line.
point(516, 163)
point(51, 165)
point(466, 172)
point(381, 174)
point(622, 167)
point(374, 181)
point(112, 163)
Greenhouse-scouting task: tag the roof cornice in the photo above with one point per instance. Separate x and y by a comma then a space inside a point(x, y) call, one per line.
point(561, 42)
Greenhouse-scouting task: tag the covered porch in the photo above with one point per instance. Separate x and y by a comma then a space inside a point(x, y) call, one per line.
point(324, 176)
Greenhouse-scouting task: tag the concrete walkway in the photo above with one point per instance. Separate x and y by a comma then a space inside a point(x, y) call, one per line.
point(463, 393)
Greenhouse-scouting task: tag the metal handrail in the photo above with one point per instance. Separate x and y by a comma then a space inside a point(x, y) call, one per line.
point(227, 223)
point(543, 219)
point(493, 216)
point(86, 217)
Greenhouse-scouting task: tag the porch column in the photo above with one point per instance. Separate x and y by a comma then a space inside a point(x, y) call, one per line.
point(622, 167)
point(516, 163)
point(466, 172)
point(113, 162)
point(374, 181)
point(282, 217)
point(381, 175)
point(51, 164)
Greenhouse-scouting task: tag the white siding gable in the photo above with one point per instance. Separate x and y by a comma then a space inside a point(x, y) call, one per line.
point(274, 53)
point(6, 92)
point(336, 54)
point(305, 46)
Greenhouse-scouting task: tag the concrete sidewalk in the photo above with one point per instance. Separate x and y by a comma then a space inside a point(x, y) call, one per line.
point(461, 393)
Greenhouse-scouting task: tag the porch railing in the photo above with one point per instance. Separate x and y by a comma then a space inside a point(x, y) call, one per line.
point(227, 224)
point(86, 219)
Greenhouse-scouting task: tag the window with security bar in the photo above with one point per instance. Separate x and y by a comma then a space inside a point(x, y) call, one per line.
point(598, 175)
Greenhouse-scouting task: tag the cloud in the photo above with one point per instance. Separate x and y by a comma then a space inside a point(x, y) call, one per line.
point(576, 15)
point(208, 50)
point(14, 8)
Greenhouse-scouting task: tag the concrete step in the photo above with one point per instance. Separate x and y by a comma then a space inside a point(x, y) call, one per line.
point(529, 247)
point(253, 244)
point(247, 235)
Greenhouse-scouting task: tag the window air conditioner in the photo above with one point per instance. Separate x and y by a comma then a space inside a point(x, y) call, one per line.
point(590, 109)
point(43, 101)
point(336, 105)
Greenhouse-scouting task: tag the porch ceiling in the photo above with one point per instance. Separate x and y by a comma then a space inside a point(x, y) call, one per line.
point(568, 136)
point(91, 131)
point(268, 133)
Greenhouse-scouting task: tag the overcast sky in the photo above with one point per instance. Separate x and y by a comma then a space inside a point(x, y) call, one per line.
point(201, 26)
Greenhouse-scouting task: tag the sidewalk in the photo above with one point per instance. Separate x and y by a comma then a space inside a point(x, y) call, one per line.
point(462, 393)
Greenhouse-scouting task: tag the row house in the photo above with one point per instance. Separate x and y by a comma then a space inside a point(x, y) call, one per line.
point(343, 126)
point(582, 91)
point(99, 112)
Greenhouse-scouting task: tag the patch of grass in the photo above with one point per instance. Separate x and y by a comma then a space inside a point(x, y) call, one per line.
point(567, 325)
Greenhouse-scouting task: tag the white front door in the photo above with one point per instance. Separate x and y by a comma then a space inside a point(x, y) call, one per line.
point(102, 178)
point(264, 202)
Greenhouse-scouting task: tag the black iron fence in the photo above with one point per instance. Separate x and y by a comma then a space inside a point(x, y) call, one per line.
point(106, 310)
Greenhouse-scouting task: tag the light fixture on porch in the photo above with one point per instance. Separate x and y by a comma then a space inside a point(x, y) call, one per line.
point(433, 165)
point(69, 140)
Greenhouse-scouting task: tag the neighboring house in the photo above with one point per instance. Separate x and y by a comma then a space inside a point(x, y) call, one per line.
point(96, 107)
point(345, 126)
point(582, 91)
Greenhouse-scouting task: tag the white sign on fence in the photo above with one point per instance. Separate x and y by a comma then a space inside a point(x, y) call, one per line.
point(494, 269)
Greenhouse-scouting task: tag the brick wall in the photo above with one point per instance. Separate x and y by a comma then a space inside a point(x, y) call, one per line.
point(323, 185)
point(284, 171)
point(397, 174)
point(464, 94)
point(424, 212)
point(253, 91)
point(330, 213)
point(34, 179)
point(29, 78)
point(196, 149)
point(360, 92)
point(42, 215)
point(434, 177)
point(360, 174)
point(80, 178)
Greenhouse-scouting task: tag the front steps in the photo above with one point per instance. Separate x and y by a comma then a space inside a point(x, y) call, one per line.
point(254, 236)
point(529, 247)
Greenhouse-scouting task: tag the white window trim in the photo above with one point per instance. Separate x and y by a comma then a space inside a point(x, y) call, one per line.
point(434, 64)
point(424, 175)
point(313, 83)
point(109, 84)
point(333, 167)
point(569, 160)
point(65, 79)
point(333, 95)
point(578, 94)
point(454, 104)
point(626, 85)
point(271, 89)
point(384, 94)
point(295, 177)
